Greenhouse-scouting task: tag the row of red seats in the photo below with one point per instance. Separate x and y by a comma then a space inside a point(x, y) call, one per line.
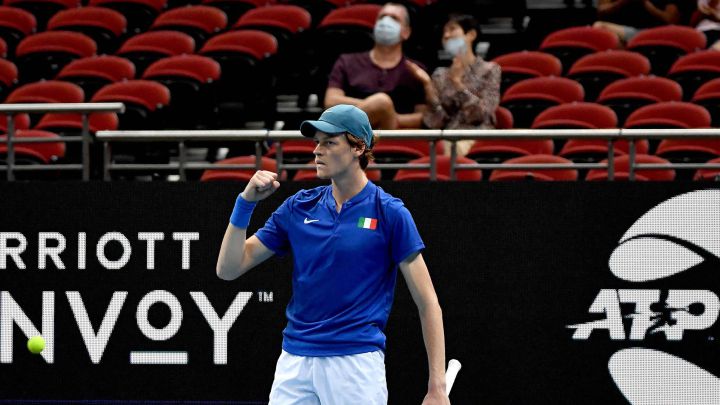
point(663, 45)
point(570, 115)
point(621, 170)
point(528, 98)
point(597, 70)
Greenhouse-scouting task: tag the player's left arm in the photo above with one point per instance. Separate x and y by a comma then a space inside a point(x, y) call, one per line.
point(417, 277)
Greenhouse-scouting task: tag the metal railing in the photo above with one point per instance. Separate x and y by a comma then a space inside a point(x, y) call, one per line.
point(432, 136)
point(10, 110)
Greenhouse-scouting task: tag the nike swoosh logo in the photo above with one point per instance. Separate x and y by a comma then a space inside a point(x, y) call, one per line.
point(307, 221)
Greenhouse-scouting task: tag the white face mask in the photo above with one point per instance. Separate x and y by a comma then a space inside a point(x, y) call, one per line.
point(387, 31)
point(455, 46)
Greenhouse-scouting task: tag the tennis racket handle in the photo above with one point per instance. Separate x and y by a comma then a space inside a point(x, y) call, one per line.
point(452, 371)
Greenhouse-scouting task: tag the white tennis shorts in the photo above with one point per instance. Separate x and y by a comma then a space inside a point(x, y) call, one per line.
point(334, 380)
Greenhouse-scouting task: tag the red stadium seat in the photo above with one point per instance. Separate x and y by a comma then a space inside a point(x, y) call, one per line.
point(198, 68)
point(97, 71)
point(694, 69)
point(21, 121)
point(240, 174)
point(595, 71)
point(500, 150)
point(674, 114)
point(42, 10)
point(403, 150)
point(622, 170)
point(34, 153)
point(71, 124)
point(139, 13)
point(200, 22)
point(246, 91)
point(8, 77)
point(708, 174)
point(679, 115)
point(663, 45)
point(535, 174)
point(189, 78)
point(236, 8)
point(576, 115)
point(289, 25)
point(523, 65)
point(103, 25)
point(318, 9)
point(41, 56)
point(276, 19)
point(443, 170)
point(294, 151)
point(669, 114)
point(143, 99)
point(15, 24)
point(585, 116)
point(503, 118)
point(569, 44)
point(627, 95)
point(708, 96)
point(256, 44)
point(50, 91)
point(146, 48)
point(527, 98)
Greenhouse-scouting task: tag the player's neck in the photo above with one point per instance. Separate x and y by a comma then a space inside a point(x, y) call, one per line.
point(347, 187)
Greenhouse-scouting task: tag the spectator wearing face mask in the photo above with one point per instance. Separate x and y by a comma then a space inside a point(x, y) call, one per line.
point(466, 94)
point(380, 82)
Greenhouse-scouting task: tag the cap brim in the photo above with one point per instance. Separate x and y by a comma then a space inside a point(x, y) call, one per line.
point(309, 128)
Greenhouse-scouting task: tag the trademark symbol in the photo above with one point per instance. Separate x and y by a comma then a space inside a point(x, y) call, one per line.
point(265, 296)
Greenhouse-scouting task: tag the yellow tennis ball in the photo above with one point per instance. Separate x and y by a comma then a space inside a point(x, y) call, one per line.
point(36, 344)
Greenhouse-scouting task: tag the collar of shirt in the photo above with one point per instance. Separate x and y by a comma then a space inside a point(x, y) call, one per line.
point(329, 200)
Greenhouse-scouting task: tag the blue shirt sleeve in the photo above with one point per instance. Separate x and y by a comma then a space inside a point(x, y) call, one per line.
point(405, 239)
point(274, 235)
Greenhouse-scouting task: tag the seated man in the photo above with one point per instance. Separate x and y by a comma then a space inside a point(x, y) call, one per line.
point(379, 82)
point(626, 17)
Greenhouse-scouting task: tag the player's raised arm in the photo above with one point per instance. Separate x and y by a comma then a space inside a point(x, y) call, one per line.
point(238, 255)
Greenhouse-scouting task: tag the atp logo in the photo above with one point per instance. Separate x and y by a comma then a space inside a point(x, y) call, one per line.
point(677, 235)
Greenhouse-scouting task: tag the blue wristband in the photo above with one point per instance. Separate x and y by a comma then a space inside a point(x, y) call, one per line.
point(241, 213)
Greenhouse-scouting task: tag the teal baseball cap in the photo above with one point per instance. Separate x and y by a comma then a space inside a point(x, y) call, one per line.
point(340, 119)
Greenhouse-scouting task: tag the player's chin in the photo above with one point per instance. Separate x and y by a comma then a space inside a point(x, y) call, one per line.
point(322, 172)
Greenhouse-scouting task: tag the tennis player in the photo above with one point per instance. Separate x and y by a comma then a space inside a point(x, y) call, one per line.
point(347, 240)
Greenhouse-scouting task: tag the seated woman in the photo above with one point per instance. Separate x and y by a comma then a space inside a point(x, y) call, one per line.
point(466, 94)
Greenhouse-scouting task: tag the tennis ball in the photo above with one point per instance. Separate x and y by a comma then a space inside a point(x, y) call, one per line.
point(36, 344)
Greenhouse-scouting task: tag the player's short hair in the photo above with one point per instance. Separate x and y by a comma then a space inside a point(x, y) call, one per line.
point(367, 155)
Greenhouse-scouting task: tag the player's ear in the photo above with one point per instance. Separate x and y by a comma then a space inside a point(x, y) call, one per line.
point(359, 150)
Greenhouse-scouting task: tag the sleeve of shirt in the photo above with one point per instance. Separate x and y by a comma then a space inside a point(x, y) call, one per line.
point(274, 234)
point(435, 117)
point(405, 239)
point(338, 75)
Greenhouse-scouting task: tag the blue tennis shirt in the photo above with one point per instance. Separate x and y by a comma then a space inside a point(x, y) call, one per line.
point(345, 267)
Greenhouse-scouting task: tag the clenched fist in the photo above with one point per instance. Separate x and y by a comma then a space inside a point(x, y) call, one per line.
point(261, 185)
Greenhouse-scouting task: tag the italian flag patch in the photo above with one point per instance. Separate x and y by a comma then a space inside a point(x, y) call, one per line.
point(367, 223)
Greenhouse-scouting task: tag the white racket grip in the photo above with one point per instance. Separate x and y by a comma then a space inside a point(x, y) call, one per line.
point(452, 370)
